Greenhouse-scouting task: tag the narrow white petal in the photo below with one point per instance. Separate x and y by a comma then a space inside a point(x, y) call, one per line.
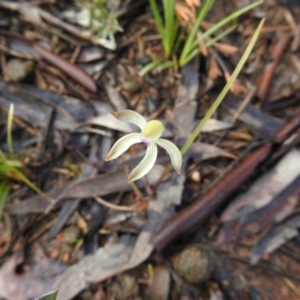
point(130, 116)
point(123, 144)
point(173, 151)
point(145, 165)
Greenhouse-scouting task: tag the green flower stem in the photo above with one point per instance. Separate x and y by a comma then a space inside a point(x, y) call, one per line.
point(225, 90)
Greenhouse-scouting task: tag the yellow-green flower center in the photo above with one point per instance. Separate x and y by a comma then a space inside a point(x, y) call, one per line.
point(153, 130)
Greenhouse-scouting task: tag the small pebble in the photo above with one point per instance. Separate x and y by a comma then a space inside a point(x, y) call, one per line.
point(4, 22)
point(17, 70)
point(71, 234)
point(196, 263)
point(133, 85)
point(124, 287)
point(144, 60)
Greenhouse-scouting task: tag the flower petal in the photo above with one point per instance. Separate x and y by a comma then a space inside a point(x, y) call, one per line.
point(145, 165)
point(123, 144)
point(130, 116)
point(173, 151)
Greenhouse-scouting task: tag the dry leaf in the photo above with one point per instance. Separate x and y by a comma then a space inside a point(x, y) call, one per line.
point(236, 88)
point(30, 284)
point(110, 260)
point(214, 70)
point(202, 45)
point(193, 3)
point(184, 14)
point(276, 237)
point(226, 49)
point(265, 188)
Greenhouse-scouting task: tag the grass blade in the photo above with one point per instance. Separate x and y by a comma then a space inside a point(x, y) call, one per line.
point(224, 21)
point(165, 65)
point(171, 26)
point(48, 296)
point(157, 17)
point(209, 43)
point(4, 188)
point(220, 36)
point(205, 7)
point(149, 67)
point(23, 178)
point(9, 129)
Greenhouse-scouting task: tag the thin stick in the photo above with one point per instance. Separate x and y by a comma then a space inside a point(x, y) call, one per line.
point(119, 207)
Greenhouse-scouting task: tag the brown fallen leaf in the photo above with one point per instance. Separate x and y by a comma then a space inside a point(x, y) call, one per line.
point(31, 284)
point(184, 13)
point(276, 237)
point(236, 88)
point(264, 124)
point(265, 188)
point(33, 109)
point(193, 2)
point(115, 98)
point(263, 219)
point(226, 49)
point(214, 70)
point(110, 260)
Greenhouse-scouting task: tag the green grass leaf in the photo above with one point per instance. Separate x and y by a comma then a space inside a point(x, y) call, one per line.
point(48, 296)
point(149, 67)
point(167, 28)
point(4, 188)
point(188, 45)
point(9, 129)
point(189, 51)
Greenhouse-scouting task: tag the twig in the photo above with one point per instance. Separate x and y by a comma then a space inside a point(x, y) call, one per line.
point(134, 207)
point(78, 74)
point(264, 82)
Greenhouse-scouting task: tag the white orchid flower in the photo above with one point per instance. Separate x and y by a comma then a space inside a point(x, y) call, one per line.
point(150, 136)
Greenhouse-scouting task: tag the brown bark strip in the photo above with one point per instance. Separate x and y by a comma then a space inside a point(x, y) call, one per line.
point(282, 103)
point(76, 73)
point(286, 129)
point(264, 82)
point(197, 213)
